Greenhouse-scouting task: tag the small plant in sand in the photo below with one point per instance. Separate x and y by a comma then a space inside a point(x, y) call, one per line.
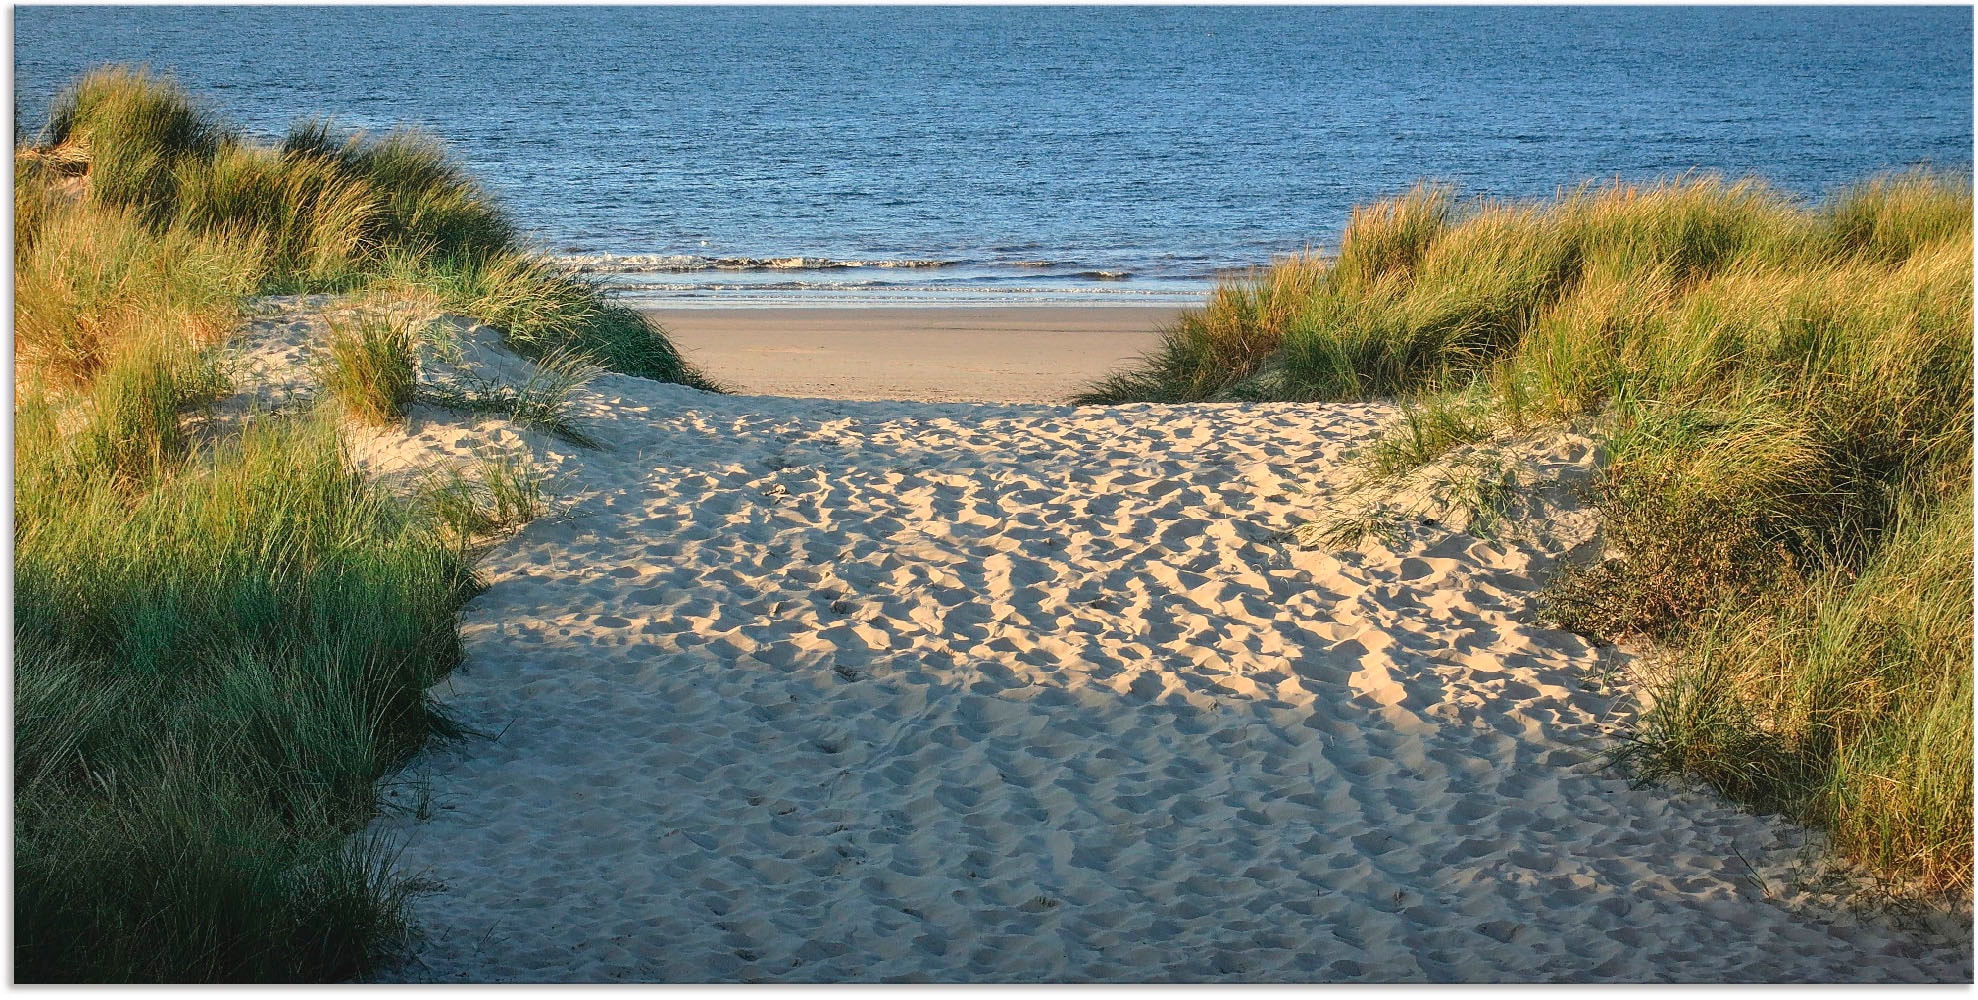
point(1425, 432)
point(543, 400)
point(1424, 467)
point(371, 367)
point(1482, 489)
point(1344, 525)
point(504, 491)
point(1470, 492)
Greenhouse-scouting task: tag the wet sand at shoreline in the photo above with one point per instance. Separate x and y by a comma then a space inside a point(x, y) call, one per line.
point(1003, 354)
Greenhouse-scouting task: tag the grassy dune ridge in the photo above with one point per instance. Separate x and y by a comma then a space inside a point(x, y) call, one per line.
point(1785, 396)
point(223, 633)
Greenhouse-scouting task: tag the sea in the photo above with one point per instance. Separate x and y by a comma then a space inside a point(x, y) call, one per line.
point(987, 155)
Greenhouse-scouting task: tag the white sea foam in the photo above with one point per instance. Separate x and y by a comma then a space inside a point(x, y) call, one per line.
point(665, 263)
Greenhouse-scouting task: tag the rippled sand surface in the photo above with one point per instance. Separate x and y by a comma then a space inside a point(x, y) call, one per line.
point(817, 690)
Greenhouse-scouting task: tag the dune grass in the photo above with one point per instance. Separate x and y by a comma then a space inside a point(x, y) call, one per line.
point(1846, 701)
point(90, 283)
point(543, 311)
point(372, 367)
point(223, 633)
point(1784, 392)
point(1426, 432)
point(215, 658)
point(323, 210)
point(426, 201)
point(131, 131)
point(505, 491)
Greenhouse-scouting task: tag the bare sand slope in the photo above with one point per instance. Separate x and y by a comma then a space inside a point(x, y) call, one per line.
point(1008, 354)
point(817, 690)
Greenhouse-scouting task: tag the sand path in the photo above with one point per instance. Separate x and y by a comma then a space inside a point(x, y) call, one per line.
point(819, 690)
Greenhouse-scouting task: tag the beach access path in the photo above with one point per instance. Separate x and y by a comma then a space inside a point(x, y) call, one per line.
point(800, 689)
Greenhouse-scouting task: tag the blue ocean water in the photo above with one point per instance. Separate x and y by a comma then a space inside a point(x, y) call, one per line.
point(1017, 153)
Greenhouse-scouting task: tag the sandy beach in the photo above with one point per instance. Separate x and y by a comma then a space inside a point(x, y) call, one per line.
point(803, 689)
point(1028, 354)
point(493, 506)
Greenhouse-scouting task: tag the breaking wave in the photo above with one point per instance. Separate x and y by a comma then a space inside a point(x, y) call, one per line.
point(688, 263)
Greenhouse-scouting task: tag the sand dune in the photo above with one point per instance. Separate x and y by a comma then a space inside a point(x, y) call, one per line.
point(818, 690)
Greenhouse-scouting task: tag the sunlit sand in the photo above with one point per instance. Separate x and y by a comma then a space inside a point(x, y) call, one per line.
point(824, 690)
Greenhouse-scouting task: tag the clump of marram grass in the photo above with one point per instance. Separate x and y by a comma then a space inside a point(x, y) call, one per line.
point(542, 308)
point(1784, 394)
point(132, 130)
point(371, 367)
point(325, 207)
point(428, 204)
point(136, 409)
point(1776, 425)
point(91, 283)
point(1425, 295)
point(218, 545)
point(317, 225)
point(1209, 353)
point(1846, 702)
